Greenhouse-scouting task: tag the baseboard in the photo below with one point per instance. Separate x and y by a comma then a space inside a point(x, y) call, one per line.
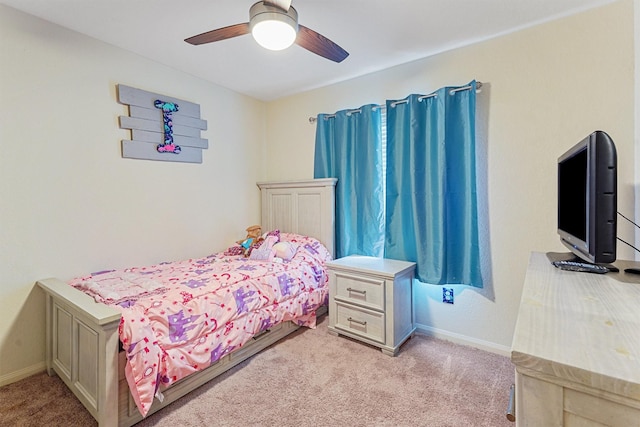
point(22, 373)
point(463, 339)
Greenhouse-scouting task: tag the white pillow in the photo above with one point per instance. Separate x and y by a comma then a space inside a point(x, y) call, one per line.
point(285, 250)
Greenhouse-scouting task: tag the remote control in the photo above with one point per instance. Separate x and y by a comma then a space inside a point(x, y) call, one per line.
point(581, 266)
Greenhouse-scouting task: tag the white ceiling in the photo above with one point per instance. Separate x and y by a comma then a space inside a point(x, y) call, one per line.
point(377, 33)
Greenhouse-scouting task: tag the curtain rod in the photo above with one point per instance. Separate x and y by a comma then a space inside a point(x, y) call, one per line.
point(404, 101)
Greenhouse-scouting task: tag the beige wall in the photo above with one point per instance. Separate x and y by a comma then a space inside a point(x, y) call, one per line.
point(546, 87)
point(69, 204)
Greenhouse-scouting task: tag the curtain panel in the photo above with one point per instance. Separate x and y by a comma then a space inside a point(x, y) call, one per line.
point(349, 147)
point(422, 206)
point(431, 203)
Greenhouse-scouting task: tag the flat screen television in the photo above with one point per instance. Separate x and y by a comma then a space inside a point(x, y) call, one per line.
point(587, 199)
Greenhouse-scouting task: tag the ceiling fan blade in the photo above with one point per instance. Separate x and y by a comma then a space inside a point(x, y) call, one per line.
point(282, 4)
point(220, 34)
point(319, 44)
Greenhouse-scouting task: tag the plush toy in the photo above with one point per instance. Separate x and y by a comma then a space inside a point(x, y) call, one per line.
point(252, 240)
point(265, 252)
point(253, 232)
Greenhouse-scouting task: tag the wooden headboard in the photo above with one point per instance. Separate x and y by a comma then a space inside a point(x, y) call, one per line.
point(304, 206)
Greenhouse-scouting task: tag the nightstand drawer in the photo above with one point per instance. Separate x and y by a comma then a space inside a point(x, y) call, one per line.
point(360, 321)
point(361, 290)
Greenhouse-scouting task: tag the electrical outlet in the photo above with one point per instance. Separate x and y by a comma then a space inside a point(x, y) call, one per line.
point(447, 295)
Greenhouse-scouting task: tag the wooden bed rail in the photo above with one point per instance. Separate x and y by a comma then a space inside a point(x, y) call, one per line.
point(83, 350)
point(82, 347)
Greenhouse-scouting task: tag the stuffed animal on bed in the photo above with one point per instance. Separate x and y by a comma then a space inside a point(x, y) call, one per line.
point(253, 239)
point(273, 250)
point(253, 232)
point(265, 252)
point(263, 247)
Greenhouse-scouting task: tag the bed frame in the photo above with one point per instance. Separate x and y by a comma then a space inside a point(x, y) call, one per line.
point(82, 345)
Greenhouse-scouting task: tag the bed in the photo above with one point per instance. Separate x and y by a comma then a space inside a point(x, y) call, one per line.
point(83, 345)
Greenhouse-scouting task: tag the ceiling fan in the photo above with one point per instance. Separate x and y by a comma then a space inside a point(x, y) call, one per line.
point(274, 25)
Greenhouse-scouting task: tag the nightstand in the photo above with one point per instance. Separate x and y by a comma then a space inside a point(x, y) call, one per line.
point(370, 300)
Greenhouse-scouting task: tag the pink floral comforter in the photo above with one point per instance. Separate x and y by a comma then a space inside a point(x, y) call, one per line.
point(180, 317)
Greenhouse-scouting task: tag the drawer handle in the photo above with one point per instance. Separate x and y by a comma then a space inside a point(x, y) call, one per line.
point(350, 319)
point(260, 334)
point(356, 291)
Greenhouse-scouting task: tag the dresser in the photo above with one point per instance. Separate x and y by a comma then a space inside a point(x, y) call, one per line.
point(370, 300)
point(576, 348)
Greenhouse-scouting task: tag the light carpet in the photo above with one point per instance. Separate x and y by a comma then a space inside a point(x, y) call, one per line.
point(312, 378)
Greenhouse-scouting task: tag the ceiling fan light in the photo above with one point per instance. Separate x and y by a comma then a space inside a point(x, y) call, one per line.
point(274, 34)
point(273, 28)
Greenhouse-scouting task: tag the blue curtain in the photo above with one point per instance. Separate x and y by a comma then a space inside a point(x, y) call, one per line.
point(349, 147)
point(431, 205)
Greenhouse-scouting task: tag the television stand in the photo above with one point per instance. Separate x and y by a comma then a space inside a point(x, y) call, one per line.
point(575, 348)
